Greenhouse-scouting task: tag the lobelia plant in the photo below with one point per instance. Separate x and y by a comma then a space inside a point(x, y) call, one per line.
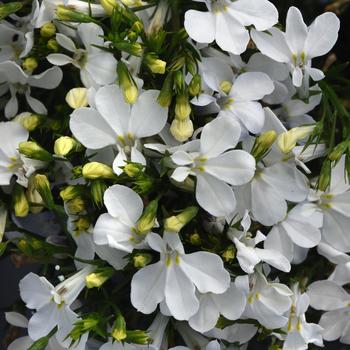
point(178, 170)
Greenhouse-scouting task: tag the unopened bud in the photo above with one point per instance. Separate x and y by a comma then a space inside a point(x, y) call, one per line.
point(176, 223)
point(32, 150)
point(29, 120)
point(325, 176)
point(195, 239)
point(138, 337)
point(134, 48)
point(127, 83)
point(3, 219)
point(148, 218)
point(7, 9)
point(20, 202)
point(288, 140)
point(34, 198)
point(48, 30)
point(141, 260)
point(42, 185)
point(30, 64)
point(98, 278)
point(263, 144)
point(52, 45)
point(195, 86)
point(179, 81)
point(96, 170)
point(182, 130)
point(166, 93)
point(67, 14)
point(226, 86)
point(77, 97)
point(155, 65)
point(119, 329)
point(229, 253)
point(70, 192)
point(64, 145)
point(338, 151)
point(98, 189)
point(133, 169)
point(75, 206)
point(182, 108)
point(82, 224)
point(109, 6)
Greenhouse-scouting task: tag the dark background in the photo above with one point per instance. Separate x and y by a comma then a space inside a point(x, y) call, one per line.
point(10, 275)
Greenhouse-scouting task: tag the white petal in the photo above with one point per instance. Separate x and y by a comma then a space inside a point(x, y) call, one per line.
point(274, 258)
point(323, 33)
point(91, 129)
point(147, 287)
point(297, 77)
point(246, 257)
point(231, 35)
point(49, 79)
point(252, 86)
point(180, 174)
point(59, 59)
point(334, 323)
point(11, 134)
point(268, 317)
point(215, 196)
point(315, 74)
point(206, 271)
point(65, 42)
point(218, 136)
point(279, 241)
point(180, 293)
point(102, 67)
point(22, 343)
point(36, 105)
point(13, 73)
point(114, 257)
point(11, 107)
point(90, 34)
point(341, 203)
point(16, 319)
point(35, 291)
point(147, 116)
point(296, 30)
point(200, 26)
point(234, 167)
point(341, 274)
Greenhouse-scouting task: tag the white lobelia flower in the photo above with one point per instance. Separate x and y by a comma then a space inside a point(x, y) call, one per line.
point(215, 166)
point(267, 302)
point(299, 44)
point(52, 304)
point(226, 21)
point(298, 231)
point(174, 279)
point(248, 255)
point(114, 122)
point(118, 227)
point(230, 304)
point(300, 333)
point(97, 67)
point(24, 343)
point(330, 297)
point(11, 161)
point(18, 82)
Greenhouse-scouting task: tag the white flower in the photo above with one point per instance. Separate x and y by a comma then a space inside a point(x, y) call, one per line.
point(215, 166)
point(52, 304)
point(267, 302)
point(328, 296)
point(114, 122)
point(230, 304)
point(117, 228)
point(97, 67)
point(174, 279)
point(19, 82)
point(300, 44)
point(226, 21)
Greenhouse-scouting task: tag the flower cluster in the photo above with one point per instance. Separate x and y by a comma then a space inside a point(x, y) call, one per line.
point(158, 160)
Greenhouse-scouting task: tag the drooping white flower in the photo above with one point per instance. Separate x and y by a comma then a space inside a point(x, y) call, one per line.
point(216, 166)
point(52, 304)
point(173, 281)
point(18, 82)
point(114, 122)
point(226, 21)
point(330, 297)
point(267, 302)
point(300, 44)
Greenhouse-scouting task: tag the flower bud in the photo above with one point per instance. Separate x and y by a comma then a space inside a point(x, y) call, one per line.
point(98, 189)
point(52, 45)
point(64, 13)
point(109, 6)
point(77, 97)
point(96, 170)
point(166, 93)
point(32, 150)
point(82, 224)
point(182, 108)
point(338, 151)
point(226, 86)
point(29, 120)
point(324, 179)
point(34, 198)
point(195, 239)
point(42, 185)
point(127, 83)
point(148, 218)
point(133, 169)
point(119, 329)
point(132, 3)
point(138, 337)
point(263, 144)
point(3, 219)
point(134, 49)
point(195, 86)
point(155, 65)
point(30, 64)
point(179, 81)
point(182, 130)
point(75, 206)
point(8, 9)
point(141, 260)
point(288, 140)
point(229, 253)
point(137, 27)
point(176, 223)
point(98, 278)
point(64, 145)
point(70, 192)
point(20, 202)
point(48, 30)
point(158, 18)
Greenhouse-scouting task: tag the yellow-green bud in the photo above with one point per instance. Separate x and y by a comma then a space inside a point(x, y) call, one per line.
point(176, 223)
point(119, 329)
point(325, 176)
point(155, 65)
point(138, 337)
point(82, 224)
point(42, 185)
point(131, 94)
point(148, 218)
point(34, 198)
point(166, 93)
point(48, 30)
point(98, 189)
point(179, 81)
point(132, 3)
point(338, 151)
point(182, 108)
point(195, 86)
point(133, 169)
point(288, 140)
point(75, 206)
point(52, 45)
point(3, 219)
point(77, 97)
point(195, 239)
point(7, 9)
point(22, 245)
point(29, 120)
point(137, 27)
point(182, 130)
point(70, 192)
point(109, 6)
point(30, 64)
point(64, 145)
point(20, 202)
point(96, 170)
point(32, 150)
point(226, 86)
point(140, 260)
point(98, 278)
point(263, 143)
point(65, 13)
point(229, 253)
point(134, 48)
point(127, 83)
